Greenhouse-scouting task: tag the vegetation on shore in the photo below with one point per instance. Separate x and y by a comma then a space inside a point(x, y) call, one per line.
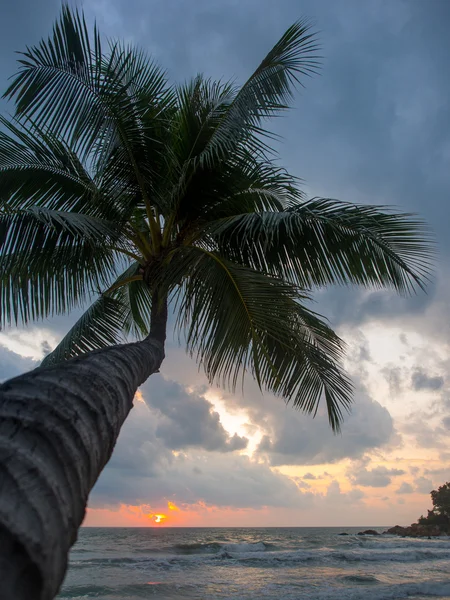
point(437, 521)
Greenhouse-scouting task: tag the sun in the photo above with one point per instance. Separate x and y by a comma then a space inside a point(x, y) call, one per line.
point(159, 518)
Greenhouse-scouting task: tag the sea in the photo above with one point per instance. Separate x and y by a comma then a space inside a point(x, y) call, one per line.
point(248, 564)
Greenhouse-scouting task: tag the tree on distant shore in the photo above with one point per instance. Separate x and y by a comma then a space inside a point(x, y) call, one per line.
point(440, 513)
point(120, 189)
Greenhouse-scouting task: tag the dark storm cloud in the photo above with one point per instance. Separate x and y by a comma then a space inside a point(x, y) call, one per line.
point(187, 419)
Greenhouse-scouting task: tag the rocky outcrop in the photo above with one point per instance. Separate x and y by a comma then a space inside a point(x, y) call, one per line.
point(369, 532)
point(416, 530)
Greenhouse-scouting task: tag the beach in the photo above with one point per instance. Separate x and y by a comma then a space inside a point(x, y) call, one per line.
point(269, 563)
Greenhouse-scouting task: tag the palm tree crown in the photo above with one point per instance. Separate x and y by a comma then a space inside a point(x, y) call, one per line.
point(116, 184)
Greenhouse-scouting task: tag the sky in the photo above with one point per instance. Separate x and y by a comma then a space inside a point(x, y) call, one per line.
point(374, 127)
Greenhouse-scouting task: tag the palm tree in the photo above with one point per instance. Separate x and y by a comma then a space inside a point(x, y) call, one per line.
point(119, 189)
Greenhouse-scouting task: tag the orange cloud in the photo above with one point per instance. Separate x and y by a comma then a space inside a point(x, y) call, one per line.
point(172, 506)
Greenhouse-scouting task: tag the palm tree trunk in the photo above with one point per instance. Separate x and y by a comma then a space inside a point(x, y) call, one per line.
point(58, 428)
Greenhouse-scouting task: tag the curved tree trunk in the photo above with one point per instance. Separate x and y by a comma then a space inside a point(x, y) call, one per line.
point(58, 428)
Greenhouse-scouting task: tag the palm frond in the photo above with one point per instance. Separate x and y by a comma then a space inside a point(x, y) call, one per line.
point(123, 308)
point(49, 261)
point(253, 186)
point(244, 184)
point(202, 103)
point(267, 92)
point(136, 297)
point(37, 169)
point(96, 102)
point(237, 320)
point(17, 225)
point(100, 326)
point(58, 80)
point(323, 241)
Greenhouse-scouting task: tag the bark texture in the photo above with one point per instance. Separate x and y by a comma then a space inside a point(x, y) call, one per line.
point(58, 428)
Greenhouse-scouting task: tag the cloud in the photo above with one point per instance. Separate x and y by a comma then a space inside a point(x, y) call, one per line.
point(144, 470)
point(12, 364)
point(440, 472)
point(393, 375)
point(424, 434)
point(335, 496)
point(300, 483)
point(405, 488)
point(292, 438)
point(423, 485)
point(376, 477)
point(309, 476)
point(187, 419)
point(421, 381)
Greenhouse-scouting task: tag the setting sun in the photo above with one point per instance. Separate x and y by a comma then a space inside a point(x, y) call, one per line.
point(159, 518)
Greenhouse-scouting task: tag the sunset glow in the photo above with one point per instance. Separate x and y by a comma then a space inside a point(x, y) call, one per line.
point(159, 518)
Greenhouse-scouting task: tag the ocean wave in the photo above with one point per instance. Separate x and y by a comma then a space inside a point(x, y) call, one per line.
point(415, 544)
point(360, 578)
point(425, 589)
point(84, 591)
point(249, 547)
point(399, 555)
point(198, 548)
point(402, 591)
point(217, 547)
point(124, 591)
point(263, 555)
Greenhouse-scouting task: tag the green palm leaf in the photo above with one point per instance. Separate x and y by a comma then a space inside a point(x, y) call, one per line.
point(49, 260)
point(123, 308)
point(267, 92)
point(35, 168)
point(98, 103)
point(100, 326)
point(136, 297)
point(322, 241)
